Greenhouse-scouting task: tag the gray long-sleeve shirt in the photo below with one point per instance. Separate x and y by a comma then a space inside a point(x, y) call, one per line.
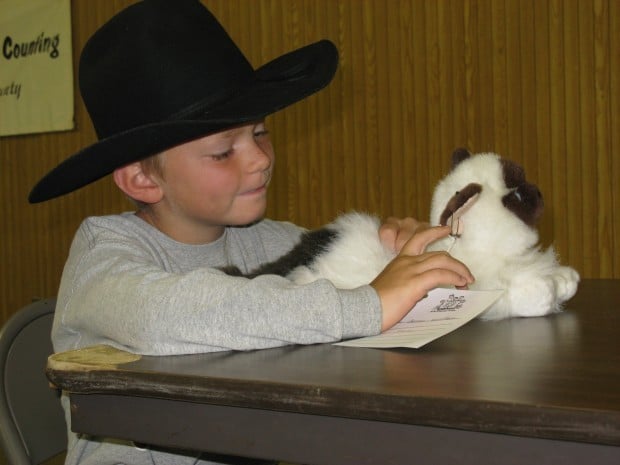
point(128, 285)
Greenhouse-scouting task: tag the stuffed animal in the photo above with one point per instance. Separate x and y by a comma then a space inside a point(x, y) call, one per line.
point(347, 252)
point(492, 211)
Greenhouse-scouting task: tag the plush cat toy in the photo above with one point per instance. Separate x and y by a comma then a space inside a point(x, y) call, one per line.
point(492, 211)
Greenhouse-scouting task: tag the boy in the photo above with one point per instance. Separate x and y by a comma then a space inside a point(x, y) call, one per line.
point(179, 113)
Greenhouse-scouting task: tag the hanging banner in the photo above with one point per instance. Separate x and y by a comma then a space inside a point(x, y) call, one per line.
point(36, 71)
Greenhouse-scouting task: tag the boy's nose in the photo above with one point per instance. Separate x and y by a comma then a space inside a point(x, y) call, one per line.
point(260, 158)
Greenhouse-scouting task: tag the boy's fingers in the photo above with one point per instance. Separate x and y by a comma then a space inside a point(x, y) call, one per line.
point(418, 243)
point(388, 233)
point(444, 277)
point(439, 262)
point(396, 302)
point(395, 232)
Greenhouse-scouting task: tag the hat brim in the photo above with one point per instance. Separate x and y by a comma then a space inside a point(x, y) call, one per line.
point(277, 85)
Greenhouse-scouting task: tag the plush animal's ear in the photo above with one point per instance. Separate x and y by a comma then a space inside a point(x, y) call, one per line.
point(459, 155)
point(514, 175)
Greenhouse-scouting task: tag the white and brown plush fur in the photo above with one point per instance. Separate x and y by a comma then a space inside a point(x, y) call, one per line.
point(497, 240)
point(495, 211)
point(347, 252)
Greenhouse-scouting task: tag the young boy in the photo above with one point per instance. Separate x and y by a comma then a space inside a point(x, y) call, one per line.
point(179, 113)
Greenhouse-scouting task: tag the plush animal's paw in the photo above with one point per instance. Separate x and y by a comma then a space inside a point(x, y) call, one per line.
point(566, 280)
point(525, 297)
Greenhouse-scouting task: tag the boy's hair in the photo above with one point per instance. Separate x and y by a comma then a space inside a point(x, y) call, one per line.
point(154, 165)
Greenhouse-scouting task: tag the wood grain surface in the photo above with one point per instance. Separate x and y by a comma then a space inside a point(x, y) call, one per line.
point(555, 377)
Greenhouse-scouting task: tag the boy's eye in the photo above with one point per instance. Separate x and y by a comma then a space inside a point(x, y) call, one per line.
point(221, 156)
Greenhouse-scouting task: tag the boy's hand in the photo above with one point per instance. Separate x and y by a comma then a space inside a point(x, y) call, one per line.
point(409, 277)
point(395, 232)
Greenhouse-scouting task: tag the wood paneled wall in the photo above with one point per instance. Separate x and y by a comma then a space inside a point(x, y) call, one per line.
point(535, 80)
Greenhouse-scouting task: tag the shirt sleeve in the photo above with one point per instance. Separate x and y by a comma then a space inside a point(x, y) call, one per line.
point(113, 293)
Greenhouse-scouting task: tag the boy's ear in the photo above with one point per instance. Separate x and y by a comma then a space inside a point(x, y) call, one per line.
point(137, 184)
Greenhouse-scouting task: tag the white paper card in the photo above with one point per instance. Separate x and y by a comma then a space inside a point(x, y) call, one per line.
point(438, 314)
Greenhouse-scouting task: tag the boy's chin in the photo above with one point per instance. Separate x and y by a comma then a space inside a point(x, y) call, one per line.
point(244, 224)
point(247, 220)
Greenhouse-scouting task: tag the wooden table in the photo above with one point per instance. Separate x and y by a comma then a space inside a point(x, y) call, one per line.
point(520, 391)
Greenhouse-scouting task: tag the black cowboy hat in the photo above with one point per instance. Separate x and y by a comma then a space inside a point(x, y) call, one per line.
point(164, 72)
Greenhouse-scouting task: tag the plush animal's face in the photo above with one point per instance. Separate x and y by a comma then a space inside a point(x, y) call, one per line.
point(490, 200)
